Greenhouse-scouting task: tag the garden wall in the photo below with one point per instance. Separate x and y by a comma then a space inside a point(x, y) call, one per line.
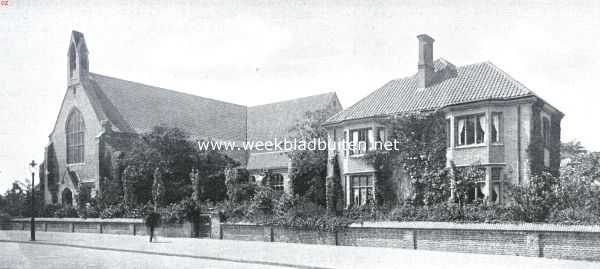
point(110, 226)
point(533, 240)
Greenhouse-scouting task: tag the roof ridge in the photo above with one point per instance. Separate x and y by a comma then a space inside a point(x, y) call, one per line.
point(447, 92)
point(165, 89)
point(331, 93)
point(509, 77)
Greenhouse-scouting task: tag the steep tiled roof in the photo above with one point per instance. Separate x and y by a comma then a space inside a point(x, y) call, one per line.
point(135, 107)
point(267, 160)
point(465, 84)
point(266, 122)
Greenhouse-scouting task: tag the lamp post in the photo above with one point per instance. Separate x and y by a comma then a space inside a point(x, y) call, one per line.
point(32, 224)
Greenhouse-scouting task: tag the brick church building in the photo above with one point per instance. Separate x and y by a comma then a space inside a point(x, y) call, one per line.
point(101, 115)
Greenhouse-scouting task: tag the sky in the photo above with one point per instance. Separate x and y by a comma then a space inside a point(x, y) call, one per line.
point(256, 52)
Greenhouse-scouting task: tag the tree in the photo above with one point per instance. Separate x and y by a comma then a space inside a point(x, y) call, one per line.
point(171, 150)
point(580, 183)
point(152, 219)
point(309, 167)
point(14, 202)
point(571, 149)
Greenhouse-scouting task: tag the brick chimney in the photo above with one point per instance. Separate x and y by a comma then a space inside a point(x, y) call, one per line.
point(426, 71)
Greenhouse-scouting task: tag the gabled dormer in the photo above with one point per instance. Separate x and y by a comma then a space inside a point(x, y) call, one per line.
point(77, 65)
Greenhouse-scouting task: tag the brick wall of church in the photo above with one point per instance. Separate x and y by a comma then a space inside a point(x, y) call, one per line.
point(88, 171)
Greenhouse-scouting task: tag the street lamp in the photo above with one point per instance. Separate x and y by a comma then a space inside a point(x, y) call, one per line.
point(32, 224)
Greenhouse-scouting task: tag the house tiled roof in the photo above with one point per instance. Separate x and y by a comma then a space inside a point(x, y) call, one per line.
point(266, 122)
point(135, 107)
point(267, 160)
point(465, 84)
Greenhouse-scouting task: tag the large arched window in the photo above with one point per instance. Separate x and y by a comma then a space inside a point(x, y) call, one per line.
point(75, 137)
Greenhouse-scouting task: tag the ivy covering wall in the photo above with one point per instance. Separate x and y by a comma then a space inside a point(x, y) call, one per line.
point(418, 162)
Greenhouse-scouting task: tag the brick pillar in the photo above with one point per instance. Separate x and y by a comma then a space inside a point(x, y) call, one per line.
point(99, 228)
point(411, 235)
point(132, 228)
point(72, 227)
point(45, 226)
point(188, 227)
point(268, 233)
point(216, 231)
point(534, 244)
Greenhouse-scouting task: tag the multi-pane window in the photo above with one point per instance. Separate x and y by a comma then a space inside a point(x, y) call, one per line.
point(361, 189)
point(546, 130)
point(496, 173)
point(360, 140)
point(75, 131)
point(471, 129)
point(277, 182)
point(379, 137)
point(380, 134)
point(496, 181)
point(496, 127)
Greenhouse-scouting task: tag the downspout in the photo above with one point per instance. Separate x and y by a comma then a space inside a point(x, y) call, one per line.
point(519, 143)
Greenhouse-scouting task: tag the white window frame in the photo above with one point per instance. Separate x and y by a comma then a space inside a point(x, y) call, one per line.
point(357, 136)
point(361, 192)
point(478, 120)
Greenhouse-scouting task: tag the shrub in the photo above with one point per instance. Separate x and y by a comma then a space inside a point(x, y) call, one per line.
point(241, 192)
point(184, 210)
point(533, 203)
point(66, 212)
point(263, 202)
point(305, 214)
point(234, 212)
point(574, 216)
point(50, 210)
point(120, 210)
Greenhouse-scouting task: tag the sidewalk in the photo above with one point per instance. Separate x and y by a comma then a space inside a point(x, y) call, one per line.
point(285, 254)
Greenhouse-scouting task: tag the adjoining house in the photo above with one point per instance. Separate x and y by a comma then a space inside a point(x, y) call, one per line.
point(492, 120)
point(100, 116)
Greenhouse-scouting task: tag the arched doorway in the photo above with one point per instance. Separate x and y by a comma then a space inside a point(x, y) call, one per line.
point(67, 197)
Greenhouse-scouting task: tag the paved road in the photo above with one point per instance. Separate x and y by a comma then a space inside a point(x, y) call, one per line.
point(76, 250)
point(19, 255)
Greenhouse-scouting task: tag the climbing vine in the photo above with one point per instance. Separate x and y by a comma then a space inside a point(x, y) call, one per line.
point(420, 154)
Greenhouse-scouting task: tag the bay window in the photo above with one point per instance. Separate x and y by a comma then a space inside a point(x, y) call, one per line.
point(361, 140)
point(361, 187)
point(471, 129)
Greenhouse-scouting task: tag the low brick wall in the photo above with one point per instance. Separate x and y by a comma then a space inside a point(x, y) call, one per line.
point(534, 240)
point(109, 226)
point(552, 241)
point(244, 232)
